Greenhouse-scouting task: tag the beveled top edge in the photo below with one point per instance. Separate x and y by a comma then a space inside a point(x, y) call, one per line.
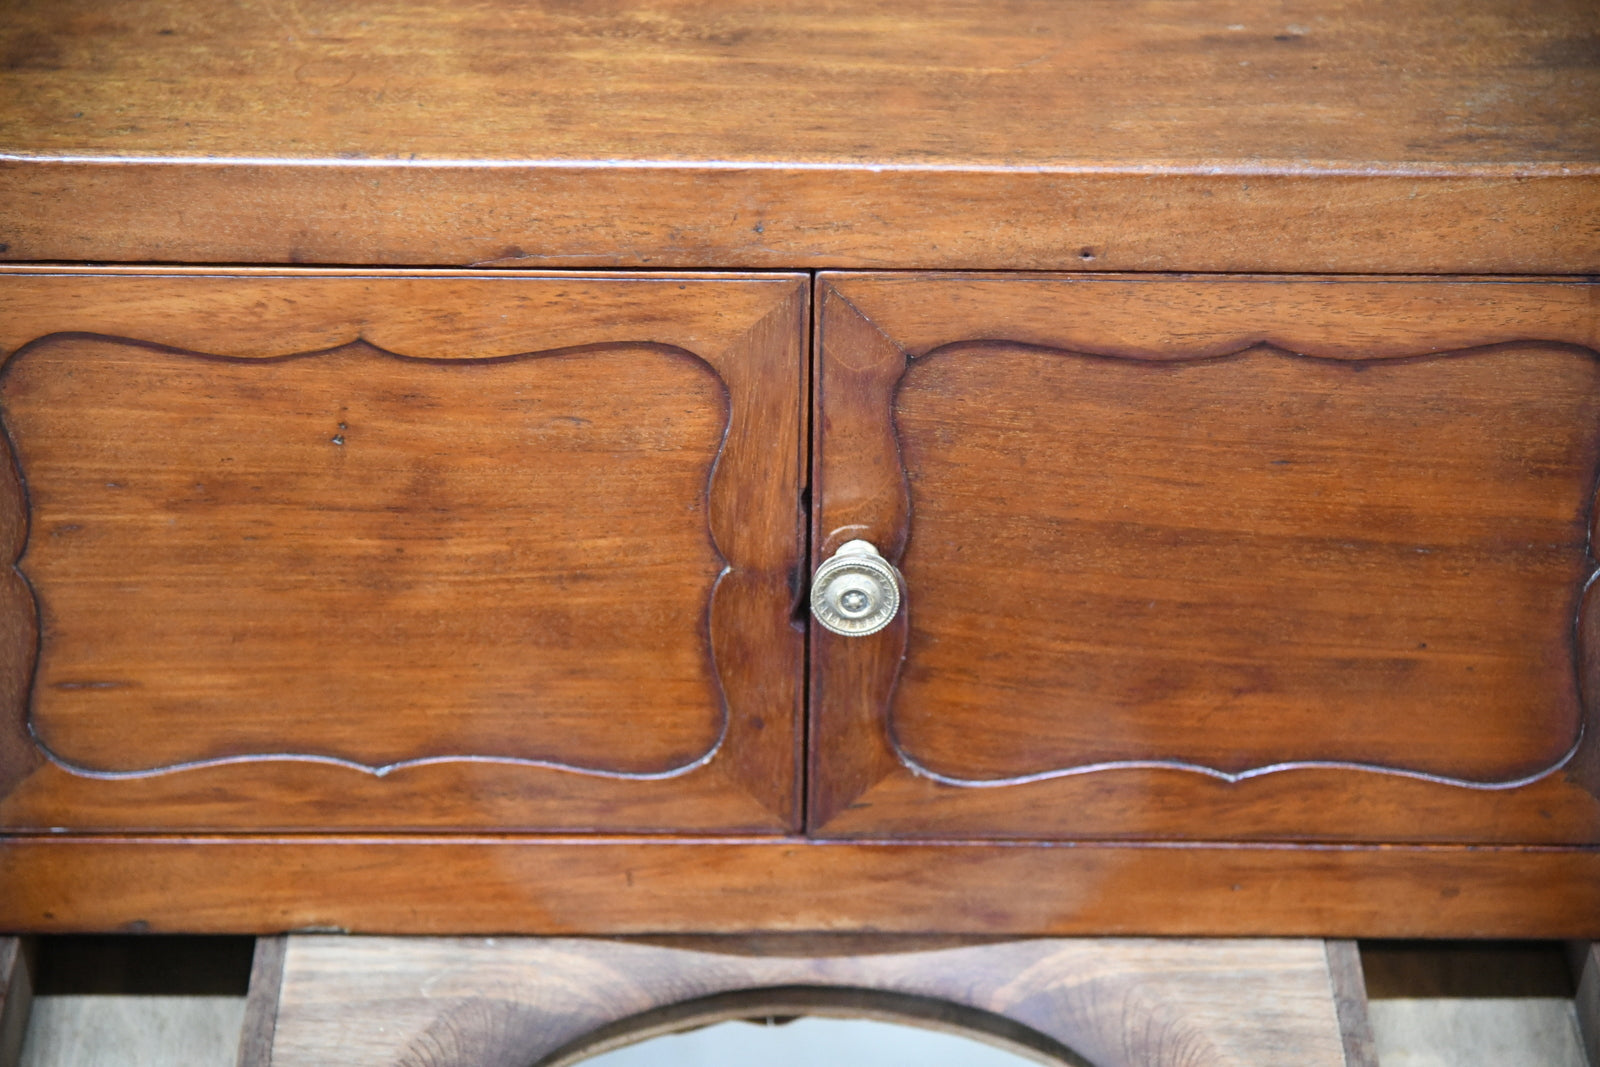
point(1165, 168)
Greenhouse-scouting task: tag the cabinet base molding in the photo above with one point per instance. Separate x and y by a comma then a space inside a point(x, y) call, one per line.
point(552, 1002)
point(614, 885)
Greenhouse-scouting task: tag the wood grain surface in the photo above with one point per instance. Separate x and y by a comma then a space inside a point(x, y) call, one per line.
point(952, 82)
point(1210, 557)
point(1113, 1003)
point(1245, 562)
point(369, 558)
point(459, 884)
point(325, 569)
point(1222, 135)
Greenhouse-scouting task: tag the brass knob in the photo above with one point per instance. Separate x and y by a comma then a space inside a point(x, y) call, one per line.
point(855, 591)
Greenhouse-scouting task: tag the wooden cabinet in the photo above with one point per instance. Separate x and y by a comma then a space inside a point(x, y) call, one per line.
point(425, 420)
point(1238, 562)
point(392, 552)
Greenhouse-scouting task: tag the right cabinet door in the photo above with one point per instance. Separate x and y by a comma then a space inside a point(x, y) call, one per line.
point(1211, 558)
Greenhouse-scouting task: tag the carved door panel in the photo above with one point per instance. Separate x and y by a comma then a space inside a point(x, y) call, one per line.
point(385, 551)
point(1226, 559)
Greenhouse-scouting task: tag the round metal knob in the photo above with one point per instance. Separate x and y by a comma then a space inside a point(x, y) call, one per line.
point(856, 591)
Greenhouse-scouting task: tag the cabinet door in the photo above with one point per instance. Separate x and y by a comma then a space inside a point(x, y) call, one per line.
point(1228, 559)
point(324, 550)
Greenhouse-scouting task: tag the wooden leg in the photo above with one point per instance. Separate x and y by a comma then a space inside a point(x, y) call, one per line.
point(1350, 1001)
point(261, 1005)
point(16, 996)
point(1106, 1002)
point(1587, 1001)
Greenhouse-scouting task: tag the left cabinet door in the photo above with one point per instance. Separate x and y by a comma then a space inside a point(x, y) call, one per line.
point(313, 550)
